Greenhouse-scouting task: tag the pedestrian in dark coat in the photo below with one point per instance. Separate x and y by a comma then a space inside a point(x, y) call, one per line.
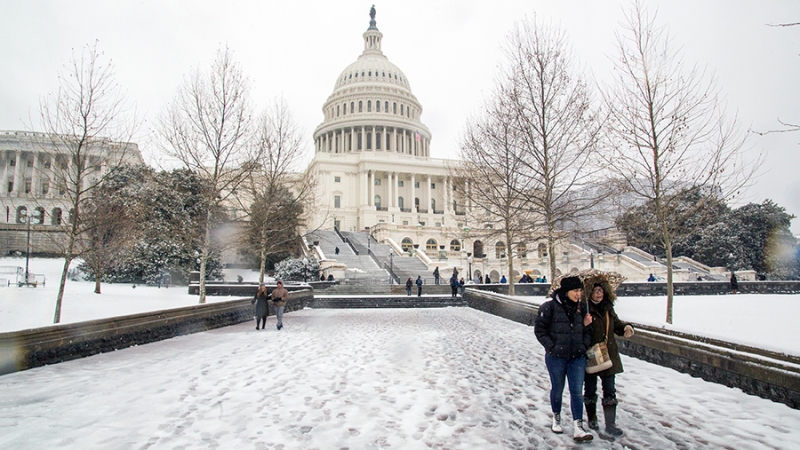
point(436, 276)
point(461, 284)
point(734, 282)
point(419, 286)
point(453, 286)
point(563, 328)
point(262, 307)
point(279, 297)
point(601, 307)
point(488, 280)
point(409, 285)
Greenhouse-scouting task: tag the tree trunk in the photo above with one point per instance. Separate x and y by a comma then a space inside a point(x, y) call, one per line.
point(551, 247)
point(57, 317)
point(97, 284)
point(204, 258)
point(668, 248)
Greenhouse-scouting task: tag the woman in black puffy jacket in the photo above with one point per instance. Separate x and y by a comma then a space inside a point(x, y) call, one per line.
point(563, 328)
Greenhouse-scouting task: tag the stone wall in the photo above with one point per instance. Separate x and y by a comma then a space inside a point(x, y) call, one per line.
point(21, 350)
point(755, 371)
point(660, 288)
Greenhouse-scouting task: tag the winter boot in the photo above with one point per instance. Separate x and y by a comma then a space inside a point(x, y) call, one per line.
point(591, 412)
point(579, 434)
point(610, 413)
point(557, 424)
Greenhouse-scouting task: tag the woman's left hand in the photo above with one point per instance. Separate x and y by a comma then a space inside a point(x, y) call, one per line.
point(587, 320)
point(628, 331)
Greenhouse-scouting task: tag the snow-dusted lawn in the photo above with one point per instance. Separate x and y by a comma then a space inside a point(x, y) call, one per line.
point(29, 307)
point(450, 378)
point(763, 321)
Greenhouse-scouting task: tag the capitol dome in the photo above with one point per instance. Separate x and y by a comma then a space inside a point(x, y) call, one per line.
point(372, 107)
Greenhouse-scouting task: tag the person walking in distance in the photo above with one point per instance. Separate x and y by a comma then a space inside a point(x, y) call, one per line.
point(734, 282)
point(563, 328)
point(454, 286)
point(336, 250)
point(605, 319)
point(262, 306)
point(409, 285)
point(419, 286)
point(279, 297)
point(436, 276)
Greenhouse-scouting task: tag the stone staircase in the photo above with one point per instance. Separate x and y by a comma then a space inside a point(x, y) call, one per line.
point(361, 268)
point(403, 266)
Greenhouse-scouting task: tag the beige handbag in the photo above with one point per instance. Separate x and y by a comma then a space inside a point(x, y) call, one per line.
point(597, 357)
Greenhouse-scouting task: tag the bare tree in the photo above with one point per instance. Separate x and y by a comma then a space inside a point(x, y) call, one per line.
point(491, 172)
point(277, 195)
point(208, 129)
point(88, 126)
point(557, 130)
point(670, 132)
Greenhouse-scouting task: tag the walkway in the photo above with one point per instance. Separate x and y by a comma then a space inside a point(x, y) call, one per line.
point(360, 379)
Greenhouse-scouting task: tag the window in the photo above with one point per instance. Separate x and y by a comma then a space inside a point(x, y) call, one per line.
point(352, 107)
point(369, 105)
point(378, 141)
point(405, 222)
point(28, 185)
point(22, 214)
point(360, 106)
point(416, 203)
point(406, 244)
point(416, 184)
point(542, 250)
point(337, 179)
point(401, 110)
point(369, 141)
point(394, 107)
point(400, 202)
point(377, 181)
point(378, 106)
point(337, 201)
point(431, 245)
point(455, 245)
point(38, 216)
point(400, 183)
point(10, 186)
point(378, 201)
point(359, 141)
point(12, 162)
point(522, 251)
point(433, 185)
point(337, 110)
point(30, 163)
point(500, 250)
point(344, 109)
point(55, 216)
point(433, 204)
point(386, 106)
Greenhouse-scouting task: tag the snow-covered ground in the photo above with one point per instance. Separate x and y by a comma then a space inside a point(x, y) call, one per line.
point(29, 307)
point(449, 378)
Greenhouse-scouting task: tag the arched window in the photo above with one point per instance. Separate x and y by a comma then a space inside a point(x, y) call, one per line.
point(542, 250)
point(394, 107)
point(500, 250)
point(369, 141)
point(344, 109)
point(407, 244)
point(455, 245)
point(400, 202)
point(352, 107)
point(378, 201)
point(360, 106)
point(22, 214)
point(386, 106)
point(55, 216)
point(359, 141)
point(477, 249)
point(431, 245)
point(522, 251)
point(401, 110)
point(378, 106)
point(377, 141)
point(369, 105)
point(38, 216)
point(337, 110)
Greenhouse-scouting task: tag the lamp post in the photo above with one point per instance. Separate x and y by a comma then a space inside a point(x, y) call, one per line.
point(391, 267)
point(28, 248)
point(469, 262)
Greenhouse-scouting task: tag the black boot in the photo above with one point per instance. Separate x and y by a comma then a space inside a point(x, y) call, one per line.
point(591, 415)
point(610, 413)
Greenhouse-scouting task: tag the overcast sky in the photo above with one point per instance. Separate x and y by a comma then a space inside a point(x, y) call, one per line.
point(449, 50)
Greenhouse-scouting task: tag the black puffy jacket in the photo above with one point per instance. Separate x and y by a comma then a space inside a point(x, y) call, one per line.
point(560, 336)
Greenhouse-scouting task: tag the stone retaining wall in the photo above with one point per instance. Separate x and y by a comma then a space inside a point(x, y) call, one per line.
point(755, 371)
point(660, 288)
point(21, 350)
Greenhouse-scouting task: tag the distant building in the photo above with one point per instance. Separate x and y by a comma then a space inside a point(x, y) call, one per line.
point(33, 167)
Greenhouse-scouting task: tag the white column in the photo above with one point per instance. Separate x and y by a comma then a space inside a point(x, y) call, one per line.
point(364, 193)
point(413, 191)
point(391, 189)
point(35, 174)
point(4, 176)
point(428, 180)
point(352, 138)
point(371, 184)
point(446, 195)
point(17, 169)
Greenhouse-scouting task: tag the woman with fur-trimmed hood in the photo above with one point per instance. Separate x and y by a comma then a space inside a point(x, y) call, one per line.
point(601, 306)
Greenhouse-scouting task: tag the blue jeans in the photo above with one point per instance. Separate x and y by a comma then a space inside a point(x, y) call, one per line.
point(279, 315)
point(573, 370)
